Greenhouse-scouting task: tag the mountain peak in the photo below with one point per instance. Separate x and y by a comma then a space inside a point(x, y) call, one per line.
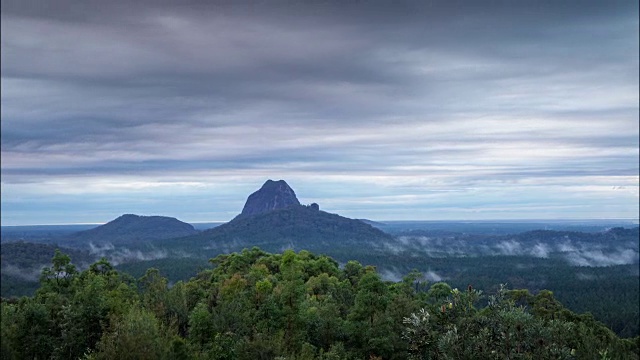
point(273, 195)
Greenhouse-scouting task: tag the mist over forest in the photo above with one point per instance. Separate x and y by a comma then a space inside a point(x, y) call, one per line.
point(467, 253)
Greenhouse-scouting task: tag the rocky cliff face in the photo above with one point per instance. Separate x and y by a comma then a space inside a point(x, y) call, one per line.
point(273, 195)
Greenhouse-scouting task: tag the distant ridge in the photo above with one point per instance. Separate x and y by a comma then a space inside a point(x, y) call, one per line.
point(131, 228)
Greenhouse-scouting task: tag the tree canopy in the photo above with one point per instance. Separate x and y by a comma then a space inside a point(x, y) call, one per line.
point(257, 305)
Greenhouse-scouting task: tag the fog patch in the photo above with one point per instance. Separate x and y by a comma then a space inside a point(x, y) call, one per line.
point(540, 250)
point(119, 255)
point(391, 275)
point(600, 258)
point(510, 247)
point(181, 254)
point(395, 249)
point(424, 245)
point(289, 246)
point(516, 248)
point(28, 274)
point(125, 255)
point(433, 276)
point(100, 250)
point(225, 247)
point(458, 247)
point(567, 247)
point(583, 276)
point(404, 240)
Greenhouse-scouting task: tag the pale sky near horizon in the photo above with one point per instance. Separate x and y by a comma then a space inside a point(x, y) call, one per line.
point(387, 110)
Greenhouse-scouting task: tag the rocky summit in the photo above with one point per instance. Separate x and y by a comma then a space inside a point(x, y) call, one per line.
point(273, 195)
point(273, 219)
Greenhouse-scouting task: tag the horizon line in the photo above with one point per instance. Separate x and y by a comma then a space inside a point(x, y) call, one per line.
point(634, 220)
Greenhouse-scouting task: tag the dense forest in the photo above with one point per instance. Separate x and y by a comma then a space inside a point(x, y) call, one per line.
point(593, 272)
point(256, 305)
point(609, 293)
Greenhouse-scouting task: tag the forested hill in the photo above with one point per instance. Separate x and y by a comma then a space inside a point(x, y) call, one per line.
point(256, 305)
point(296, 227)
point(130, 229)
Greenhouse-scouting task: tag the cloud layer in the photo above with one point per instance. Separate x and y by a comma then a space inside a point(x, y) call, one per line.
point(403, 110)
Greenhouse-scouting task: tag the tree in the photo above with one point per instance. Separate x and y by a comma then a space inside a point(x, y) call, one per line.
point(200, 325)
point(291, 295)
point(136, 335)
point(368, 324)
point(32, 337)
point(59, 276)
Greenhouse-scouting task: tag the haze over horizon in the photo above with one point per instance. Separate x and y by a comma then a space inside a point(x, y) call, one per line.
point(404, 110)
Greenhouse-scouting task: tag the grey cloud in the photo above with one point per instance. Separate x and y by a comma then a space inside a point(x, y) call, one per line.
point(110, 88)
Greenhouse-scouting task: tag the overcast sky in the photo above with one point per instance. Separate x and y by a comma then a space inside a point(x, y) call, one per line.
point(422, 110)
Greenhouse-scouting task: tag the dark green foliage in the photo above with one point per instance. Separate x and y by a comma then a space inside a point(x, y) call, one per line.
point(14, 286)
point(29, 334)
point(610, 293)
point(137, 335)
point(69, 312)
point(256, 305)
point(175, 269)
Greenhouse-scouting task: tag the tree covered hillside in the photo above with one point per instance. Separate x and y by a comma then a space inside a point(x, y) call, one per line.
point(256, 305)
point(297, 227)
point(130, 229)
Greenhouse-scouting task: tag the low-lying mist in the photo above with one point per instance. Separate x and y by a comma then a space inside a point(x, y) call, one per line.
point(117, 255)
point(604, 249)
